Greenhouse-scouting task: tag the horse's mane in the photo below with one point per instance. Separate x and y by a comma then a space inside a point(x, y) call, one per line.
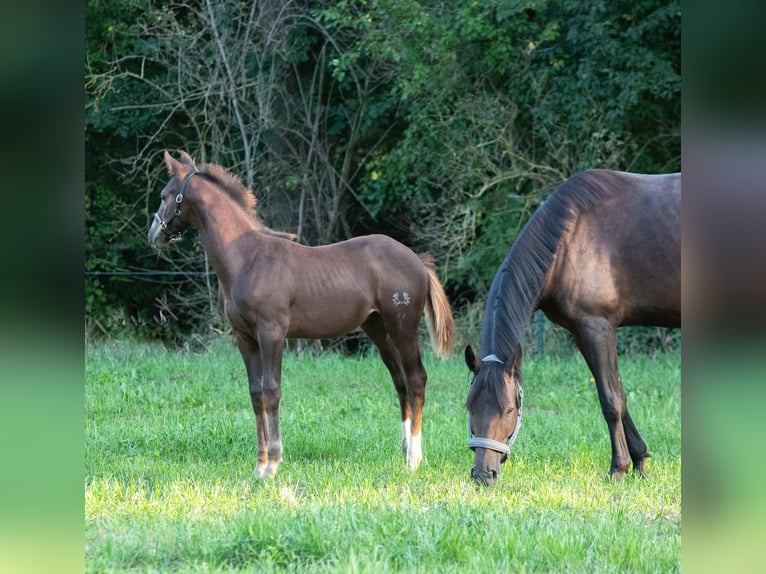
point(233, 186)
point(518, 282)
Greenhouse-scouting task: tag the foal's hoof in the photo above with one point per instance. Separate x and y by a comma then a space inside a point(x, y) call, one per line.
point(414, 454)
point(264, 471)
point(413, 463)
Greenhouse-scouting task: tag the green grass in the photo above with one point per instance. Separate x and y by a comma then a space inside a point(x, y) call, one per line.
point(170, 447)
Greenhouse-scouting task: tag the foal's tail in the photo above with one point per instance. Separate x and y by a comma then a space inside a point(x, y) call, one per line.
point(441, 325)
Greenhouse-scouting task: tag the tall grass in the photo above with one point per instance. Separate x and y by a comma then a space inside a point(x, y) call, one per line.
point(170, 447)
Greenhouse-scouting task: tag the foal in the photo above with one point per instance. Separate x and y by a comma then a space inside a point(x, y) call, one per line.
point(273, 289)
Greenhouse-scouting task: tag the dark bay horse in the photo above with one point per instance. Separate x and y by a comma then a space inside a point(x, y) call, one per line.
point(273, 288)
point(603, 251)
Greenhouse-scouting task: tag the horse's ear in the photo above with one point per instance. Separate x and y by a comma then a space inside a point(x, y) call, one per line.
point(470, 360)
point(513, 364)
point(187, 159)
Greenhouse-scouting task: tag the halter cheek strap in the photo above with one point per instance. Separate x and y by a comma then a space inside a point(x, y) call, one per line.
point(501, 447)
point(179, 198)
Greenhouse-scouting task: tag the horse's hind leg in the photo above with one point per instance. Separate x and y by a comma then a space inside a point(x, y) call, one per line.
point(375, 330)
point(250, 352)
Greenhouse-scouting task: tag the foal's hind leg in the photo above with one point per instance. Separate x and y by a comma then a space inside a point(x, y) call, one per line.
point(415, 373)
point(374, 329)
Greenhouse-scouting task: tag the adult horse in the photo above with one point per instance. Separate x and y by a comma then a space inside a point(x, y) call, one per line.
point(604, 250)
point(274, 289)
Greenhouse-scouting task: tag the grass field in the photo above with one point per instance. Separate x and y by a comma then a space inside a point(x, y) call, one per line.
point(170, 447)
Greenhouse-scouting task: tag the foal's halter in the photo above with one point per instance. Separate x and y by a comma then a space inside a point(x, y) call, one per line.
point(179, 198)
point(502, 447)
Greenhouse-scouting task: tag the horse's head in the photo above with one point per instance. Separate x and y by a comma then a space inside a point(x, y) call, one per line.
point(169, 220)
point(494, 407)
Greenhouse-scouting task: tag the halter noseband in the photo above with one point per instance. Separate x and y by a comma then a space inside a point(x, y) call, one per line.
point(502, 447)
point(179, 198)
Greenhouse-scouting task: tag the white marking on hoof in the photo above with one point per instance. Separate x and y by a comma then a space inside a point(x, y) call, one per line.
point(259, 470)
point(406, 436)
point(415, 453)
point(270, 470)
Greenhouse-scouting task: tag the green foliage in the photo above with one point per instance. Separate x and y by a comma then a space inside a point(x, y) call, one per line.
point(504, 100)
point(170, 445)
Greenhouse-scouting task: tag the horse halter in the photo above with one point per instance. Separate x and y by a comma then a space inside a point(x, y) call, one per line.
point(179, 198)
point(502, 447)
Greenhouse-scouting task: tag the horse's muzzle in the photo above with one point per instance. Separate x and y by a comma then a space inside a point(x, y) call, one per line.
point(486, 477)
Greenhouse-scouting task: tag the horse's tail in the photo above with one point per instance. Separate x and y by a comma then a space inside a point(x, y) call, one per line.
point(441, 325)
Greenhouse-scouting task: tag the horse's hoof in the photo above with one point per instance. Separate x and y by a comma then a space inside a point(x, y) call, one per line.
point(616, 474)
point(639, 467)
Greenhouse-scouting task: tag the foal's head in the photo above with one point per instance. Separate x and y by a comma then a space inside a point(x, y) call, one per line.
point(174, 214)
point(494, 406)
point(170, 219)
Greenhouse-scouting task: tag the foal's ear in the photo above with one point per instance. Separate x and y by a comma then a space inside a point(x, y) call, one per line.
point(470, 360)
point(187, 159)
point(172, 165)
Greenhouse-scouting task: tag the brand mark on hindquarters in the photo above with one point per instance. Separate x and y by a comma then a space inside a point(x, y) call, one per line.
point(403, 300)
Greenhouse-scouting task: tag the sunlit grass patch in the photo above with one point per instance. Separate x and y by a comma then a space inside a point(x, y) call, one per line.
point(170, 448)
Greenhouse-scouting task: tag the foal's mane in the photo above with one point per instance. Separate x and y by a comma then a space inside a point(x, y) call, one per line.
point(233, 187)
point(518, 282)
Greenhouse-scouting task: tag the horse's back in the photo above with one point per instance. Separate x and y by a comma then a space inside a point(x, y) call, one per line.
point(331, 289)
point(622, 259)
point(391, 267)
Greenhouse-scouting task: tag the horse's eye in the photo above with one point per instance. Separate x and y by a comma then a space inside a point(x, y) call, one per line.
point(509, 411)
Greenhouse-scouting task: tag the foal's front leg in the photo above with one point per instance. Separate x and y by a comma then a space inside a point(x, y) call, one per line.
point(250, 352)
point(271, 342)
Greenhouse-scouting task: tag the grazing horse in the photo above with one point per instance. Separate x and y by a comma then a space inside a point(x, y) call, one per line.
point(272, 288)
point(603, 251)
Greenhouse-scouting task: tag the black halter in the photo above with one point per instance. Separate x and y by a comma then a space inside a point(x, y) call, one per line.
point(179, 198)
